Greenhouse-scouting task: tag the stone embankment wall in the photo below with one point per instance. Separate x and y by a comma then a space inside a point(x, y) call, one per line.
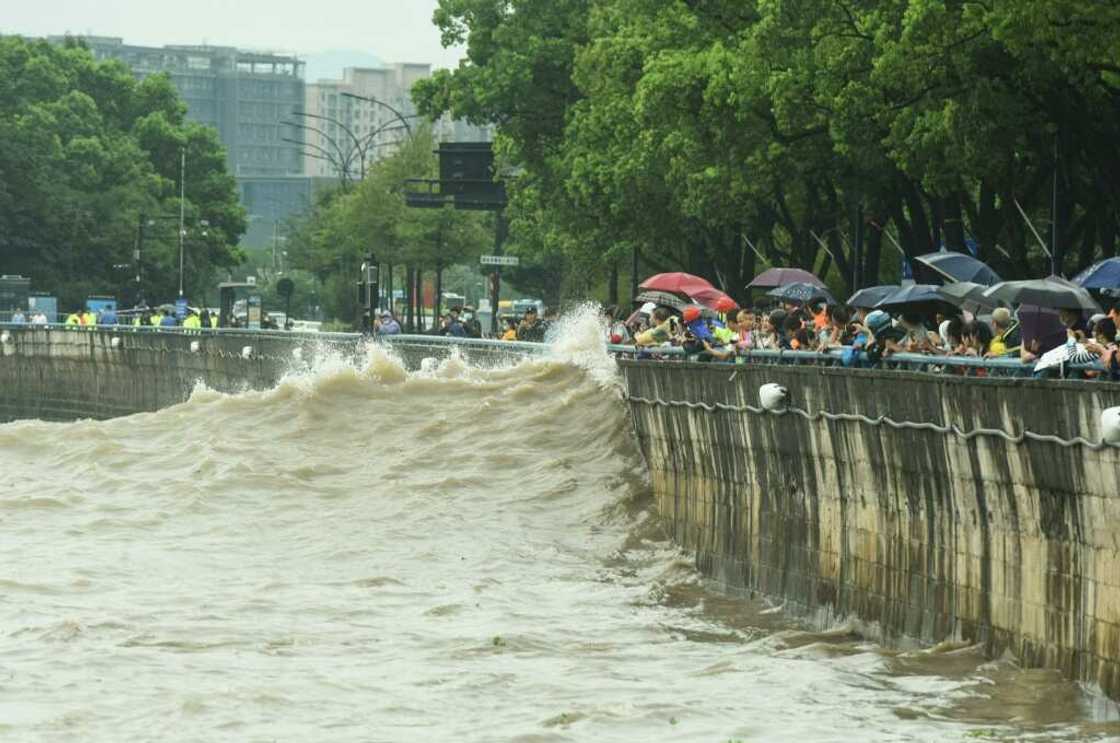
point(65, 374)
point(918, 531)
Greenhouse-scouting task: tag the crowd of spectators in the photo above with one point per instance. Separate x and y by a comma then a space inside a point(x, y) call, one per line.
point(858, 336)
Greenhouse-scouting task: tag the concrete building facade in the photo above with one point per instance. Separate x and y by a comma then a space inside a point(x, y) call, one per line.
point(356, 120)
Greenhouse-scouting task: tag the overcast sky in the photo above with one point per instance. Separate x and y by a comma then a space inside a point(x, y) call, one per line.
point(393, 30)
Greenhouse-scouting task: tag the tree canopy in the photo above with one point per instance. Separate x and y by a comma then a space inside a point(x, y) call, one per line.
point(85, 150)
point(718, 136)
point(347, 224)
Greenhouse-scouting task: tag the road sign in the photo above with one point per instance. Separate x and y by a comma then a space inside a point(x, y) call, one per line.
point(500, 260)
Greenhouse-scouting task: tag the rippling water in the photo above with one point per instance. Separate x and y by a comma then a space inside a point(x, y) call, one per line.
point(458, 554)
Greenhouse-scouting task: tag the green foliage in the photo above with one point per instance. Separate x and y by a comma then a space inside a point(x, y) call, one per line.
point(692, 130)
point(346, 225)
point(85, 149)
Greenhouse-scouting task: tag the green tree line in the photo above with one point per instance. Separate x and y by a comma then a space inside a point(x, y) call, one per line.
point(371, 217)
point(722, 136)
point(85, 150)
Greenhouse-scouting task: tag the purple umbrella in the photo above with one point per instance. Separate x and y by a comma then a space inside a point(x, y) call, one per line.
point(775, 277)
point(1042, 324)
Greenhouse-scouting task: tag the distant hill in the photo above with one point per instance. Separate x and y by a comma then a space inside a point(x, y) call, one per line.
point(328, 65)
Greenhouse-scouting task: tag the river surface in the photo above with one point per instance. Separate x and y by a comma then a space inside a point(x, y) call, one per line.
point(456, 554)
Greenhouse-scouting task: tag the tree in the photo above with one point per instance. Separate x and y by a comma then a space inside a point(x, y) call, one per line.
point(85, 150)
point(718, 135)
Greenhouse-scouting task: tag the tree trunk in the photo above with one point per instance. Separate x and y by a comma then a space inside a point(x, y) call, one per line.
point(612, 285)
point(419, 294)
point(438, 303)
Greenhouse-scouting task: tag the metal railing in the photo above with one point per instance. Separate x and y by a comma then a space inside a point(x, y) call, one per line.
point(912, 362)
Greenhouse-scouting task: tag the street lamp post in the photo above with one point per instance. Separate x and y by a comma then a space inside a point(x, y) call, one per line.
point(401, 117)
point(182, 212)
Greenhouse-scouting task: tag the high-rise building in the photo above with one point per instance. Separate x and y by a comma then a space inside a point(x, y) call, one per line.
point(352, 122)
point(248, 97)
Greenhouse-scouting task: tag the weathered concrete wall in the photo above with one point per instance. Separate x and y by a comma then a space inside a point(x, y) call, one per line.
point(923, 534)
point(60, 374)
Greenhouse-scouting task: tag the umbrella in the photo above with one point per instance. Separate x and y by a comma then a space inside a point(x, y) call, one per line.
point(868, 297)
point(920, 298)
point(773, 277)
point(1101, 275)
point(1050, 292)
point(166, 308)
point(714, 299)
point(1067, 353)
point(664, 298)
point(1041, 324)
point(952, 266)
point(678, 283)
point(801, 292)
point(968, 296)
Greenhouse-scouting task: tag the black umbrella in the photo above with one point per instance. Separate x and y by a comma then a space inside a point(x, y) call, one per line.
point(968, 296)
point(801, 292)
point(867, 298)
point(958, 267)
point(919, 298)
point(668, 299)
point(1052, 292)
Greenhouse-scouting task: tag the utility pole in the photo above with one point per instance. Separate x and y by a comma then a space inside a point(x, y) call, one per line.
point(136, 256)
point(182, 212)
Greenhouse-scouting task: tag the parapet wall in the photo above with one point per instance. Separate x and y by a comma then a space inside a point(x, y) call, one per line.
point(57, 373)
point(926, 531)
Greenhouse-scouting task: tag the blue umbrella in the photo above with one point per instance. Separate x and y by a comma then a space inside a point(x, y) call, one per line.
point(868, 297)
point(952, 266)
point(801, 292)
point(1101, 275)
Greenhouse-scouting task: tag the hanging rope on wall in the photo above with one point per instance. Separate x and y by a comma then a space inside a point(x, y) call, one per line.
point(882, 420)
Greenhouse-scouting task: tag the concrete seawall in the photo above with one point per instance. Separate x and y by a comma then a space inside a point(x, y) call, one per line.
point(918, 531)
point(64, 374)
point(917, 528)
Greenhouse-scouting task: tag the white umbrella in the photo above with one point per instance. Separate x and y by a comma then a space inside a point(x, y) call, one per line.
point(1067, 353)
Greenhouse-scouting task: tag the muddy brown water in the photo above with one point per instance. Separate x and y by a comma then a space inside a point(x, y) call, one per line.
point(458, 554)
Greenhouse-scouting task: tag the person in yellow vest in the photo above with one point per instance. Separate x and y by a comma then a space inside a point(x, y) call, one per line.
point(154, 319)
point(213, 319)
point(74, 318)
point(191, 321)
point(89, 318)
point(137, 319)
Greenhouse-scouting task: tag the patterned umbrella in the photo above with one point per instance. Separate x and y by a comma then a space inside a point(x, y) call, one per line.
point(663, 298)
point(802, 293)
point(1067, 353)
point(773, 277)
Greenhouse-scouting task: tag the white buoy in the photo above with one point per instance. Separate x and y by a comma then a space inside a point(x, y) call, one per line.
point(115, 342)
point(5, 337)
point(196, 346)
point(1110, 426)
point(773, 397)
point(247, 352)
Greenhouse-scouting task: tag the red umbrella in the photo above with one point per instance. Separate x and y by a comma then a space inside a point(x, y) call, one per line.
point(772, 278)
point(681, 283)
point(713, 298)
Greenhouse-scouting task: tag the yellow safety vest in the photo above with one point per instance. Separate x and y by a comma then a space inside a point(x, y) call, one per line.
point(73, 319)
point(154, 320)
point(192, 321)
